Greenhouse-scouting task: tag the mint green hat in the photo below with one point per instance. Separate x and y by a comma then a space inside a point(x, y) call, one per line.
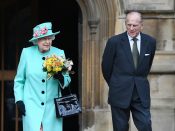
point(42, 30)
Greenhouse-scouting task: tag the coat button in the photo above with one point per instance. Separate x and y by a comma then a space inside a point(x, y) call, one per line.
point(42, 103)
point(43, 58)
point(43, 80)
point(42, 92)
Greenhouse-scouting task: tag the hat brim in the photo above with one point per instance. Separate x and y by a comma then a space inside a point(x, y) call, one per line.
point(35, 38)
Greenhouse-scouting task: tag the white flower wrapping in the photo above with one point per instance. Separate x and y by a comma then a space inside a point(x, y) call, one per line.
point(68, 65)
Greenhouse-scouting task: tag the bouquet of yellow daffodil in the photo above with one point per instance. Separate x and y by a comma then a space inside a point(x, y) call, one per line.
point(54, 64)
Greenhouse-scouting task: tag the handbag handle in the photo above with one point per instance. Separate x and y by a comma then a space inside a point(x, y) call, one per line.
point(63, 88)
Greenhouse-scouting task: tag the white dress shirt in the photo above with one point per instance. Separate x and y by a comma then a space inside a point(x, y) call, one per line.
point(132, 42)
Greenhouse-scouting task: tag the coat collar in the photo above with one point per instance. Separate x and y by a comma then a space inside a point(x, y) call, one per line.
point(127, 49)
point(144, 45)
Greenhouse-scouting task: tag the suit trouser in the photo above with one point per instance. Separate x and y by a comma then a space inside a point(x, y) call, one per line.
point(141, 115)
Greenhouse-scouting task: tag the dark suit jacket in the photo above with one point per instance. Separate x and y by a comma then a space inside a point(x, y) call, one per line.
point(119, 71)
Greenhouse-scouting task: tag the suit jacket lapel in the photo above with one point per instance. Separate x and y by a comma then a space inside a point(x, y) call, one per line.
point(143, 48)
point(127, 48)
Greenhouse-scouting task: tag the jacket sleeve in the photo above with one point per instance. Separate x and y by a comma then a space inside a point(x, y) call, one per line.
point(108, 60)
point(67, 78)
point(20, 78)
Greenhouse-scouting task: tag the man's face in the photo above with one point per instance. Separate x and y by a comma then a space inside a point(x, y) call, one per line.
point(133, 24)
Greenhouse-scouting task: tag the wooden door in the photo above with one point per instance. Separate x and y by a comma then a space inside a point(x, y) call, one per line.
point(15, 31)
point(18, 17)
point(9, 120)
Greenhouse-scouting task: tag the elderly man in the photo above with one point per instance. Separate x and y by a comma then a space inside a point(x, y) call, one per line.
point(126, 62)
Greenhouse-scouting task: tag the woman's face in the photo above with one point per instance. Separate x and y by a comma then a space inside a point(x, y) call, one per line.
point(45, 43)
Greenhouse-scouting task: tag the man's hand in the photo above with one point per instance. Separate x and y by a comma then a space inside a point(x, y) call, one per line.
point(21, 107)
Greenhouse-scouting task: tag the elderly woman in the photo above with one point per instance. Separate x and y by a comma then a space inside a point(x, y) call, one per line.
point(34, 93)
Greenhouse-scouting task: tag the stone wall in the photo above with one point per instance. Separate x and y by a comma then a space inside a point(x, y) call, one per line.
point(159, 21)
point(104, 18)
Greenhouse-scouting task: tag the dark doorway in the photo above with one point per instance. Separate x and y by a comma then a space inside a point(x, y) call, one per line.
point(64, 16)
point(18, 17)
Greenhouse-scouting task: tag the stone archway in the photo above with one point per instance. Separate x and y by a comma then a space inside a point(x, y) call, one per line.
point(98, 24)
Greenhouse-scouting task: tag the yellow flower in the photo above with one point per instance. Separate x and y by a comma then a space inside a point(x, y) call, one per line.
point(54, 64)
point(57, 69)
point(49, 68)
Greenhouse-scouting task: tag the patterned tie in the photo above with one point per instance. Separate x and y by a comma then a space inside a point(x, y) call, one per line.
point(135, 52)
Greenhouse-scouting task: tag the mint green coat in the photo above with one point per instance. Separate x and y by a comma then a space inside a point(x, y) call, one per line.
point(38, 93)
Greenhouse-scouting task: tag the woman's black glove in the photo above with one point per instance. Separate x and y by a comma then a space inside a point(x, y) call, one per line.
point(21, 107)
point(59, 76)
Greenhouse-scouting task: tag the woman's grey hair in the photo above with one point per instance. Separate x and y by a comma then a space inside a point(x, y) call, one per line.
point(35, 42)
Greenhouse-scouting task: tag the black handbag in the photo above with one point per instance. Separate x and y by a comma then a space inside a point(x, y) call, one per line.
point(67, 105)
